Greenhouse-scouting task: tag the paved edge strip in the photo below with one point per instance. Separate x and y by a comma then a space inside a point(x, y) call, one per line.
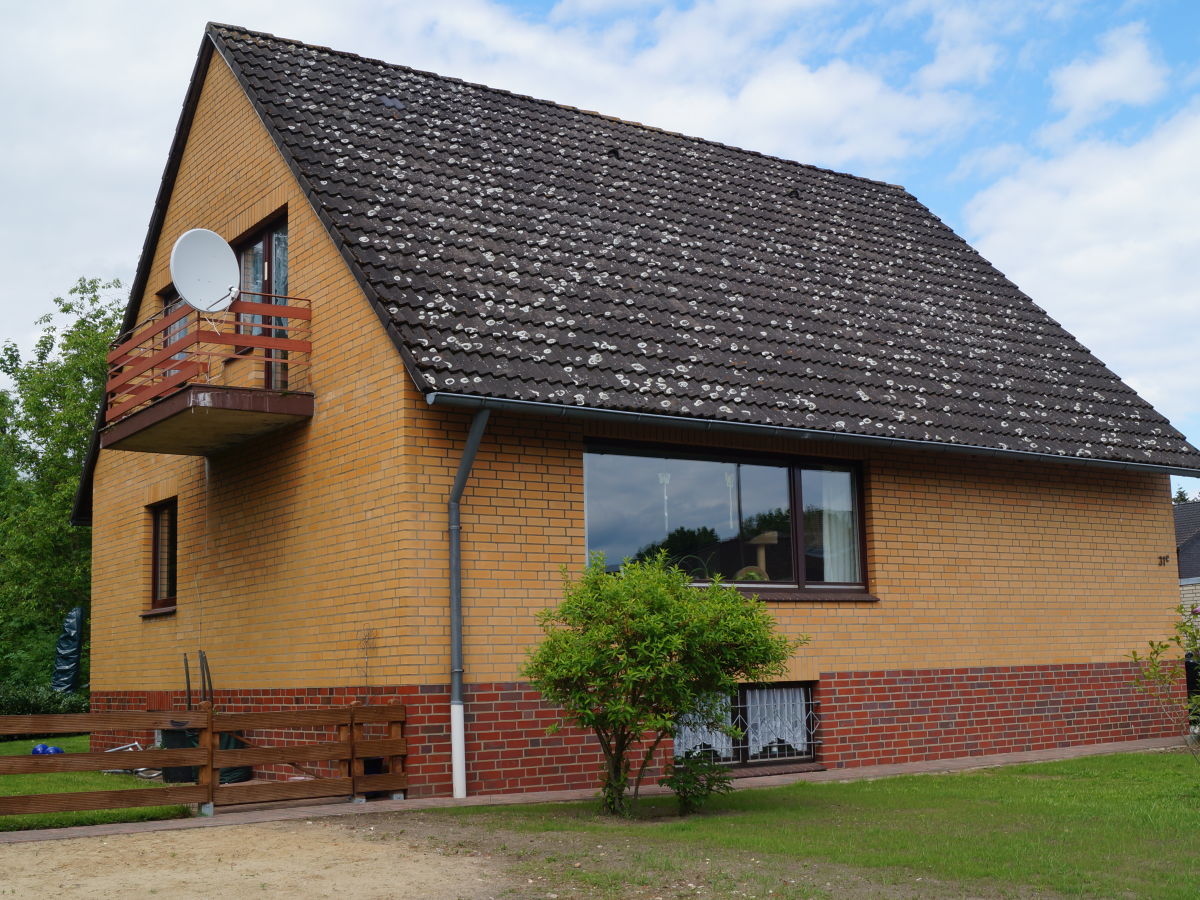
point(343, 808)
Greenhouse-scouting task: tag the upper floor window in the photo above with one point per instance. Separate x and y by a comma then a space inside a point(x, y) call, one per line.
point(264, 263)
point(746, 520)
point(164, 524)
point(263, 260)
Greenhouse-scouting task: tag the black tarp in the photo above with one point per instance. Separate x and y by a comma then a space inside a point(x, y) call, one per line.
point(68, 653)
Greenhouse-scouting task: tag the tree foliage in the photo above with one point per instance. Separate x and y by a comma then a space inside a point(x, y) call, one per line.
point(1160, 674)
point(46, 416)
point(629, 654)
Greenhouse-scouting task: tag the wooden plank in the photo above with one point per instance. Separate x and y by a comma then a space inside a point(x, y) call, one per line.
point(98, 762)
point(78, 800)
point(297, 718)
point(387, 747)
point(228, 794)
point(269, 309)
point(142, 336)
point(255, 340)
point(85, 723)
point(185, 371)
point(132, 370)
point(382, 713)
point(365, 783)
point(259, 756)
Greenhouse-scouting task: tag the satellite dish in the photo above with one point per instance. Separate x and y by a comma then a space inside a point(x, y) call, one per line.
point(204, 270)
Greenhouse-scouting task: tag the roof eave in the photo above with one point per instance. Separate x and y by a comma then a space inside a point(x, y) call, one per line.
point(596, 414)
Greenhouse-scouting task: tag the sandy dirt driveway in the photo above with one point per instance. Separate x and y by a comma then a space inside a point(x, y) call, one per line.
point(296, 859)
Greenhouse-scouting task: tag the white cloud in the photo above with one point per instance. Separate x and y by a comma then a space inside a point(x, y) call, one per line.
point(964, 50)
point(1124, 72)
point(1105, 237)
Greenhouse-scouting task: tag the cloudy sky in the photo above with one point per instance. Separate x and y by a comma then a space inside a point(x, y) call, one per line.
point(1060, 137)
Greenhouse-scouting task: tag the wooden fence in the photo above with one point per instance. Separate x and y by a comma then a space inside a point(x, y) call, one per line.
point(344, 755)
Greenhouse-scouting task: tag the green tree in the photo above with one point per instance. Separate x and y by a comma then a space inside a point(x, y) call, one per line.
point(628, 654)
point(1180, 496)
point(46, 417)
point(1161, 674)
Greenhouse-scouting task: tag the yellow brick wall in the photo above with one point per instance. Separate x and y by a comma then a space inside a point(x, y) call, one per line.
point(976, 560)
point(1189, 593)
point(318, 557)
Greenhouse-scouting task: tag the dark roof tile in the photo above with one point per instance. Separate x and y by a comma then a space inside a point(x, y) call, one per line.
point(520, 259)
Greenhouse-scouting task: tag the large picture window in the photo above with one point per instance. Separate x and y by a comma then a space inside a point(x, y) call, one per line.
point(745, 520)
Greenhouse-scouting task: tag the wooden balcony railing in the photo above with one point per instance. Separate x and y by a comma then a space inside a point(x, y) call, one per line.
point(260, 341)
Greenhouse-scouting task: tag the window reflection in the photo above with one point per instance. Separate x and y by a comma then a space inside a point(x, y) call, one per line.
point(718, 518)
point(830, 526)
point(712, 518)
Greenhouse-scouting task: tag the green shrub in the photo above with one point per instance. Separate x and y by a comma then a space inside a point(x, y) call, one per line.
point(629, 654)
point(35, 700)
point(694, 778)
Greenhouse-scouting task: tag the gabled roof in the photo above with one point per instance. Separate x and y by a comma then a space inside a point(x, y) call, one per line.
point(527, 251)
point(1187, 521)
point(1187, 538)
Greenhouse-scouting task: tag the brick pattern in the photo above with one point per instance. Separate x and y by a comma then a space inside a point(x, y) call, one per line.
point(508, 749)
point(867, 718)
point(910, 715)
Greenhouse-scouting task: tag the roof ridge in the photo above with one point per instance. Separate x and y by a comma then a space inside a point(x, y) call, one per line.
point(236, 29)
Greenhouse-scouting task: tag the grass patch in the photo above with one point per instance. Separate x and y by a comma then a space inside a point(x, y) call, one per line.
point(1122, 825)
point(61, 782)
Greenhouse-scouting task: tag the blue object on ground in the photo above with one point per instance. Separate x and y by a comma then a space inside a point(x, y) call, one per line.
point(54, 749)
point(39, 749)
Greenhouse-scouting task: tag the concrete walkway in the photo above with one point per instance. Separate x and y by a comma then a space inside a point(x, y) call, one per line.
point(278, 813)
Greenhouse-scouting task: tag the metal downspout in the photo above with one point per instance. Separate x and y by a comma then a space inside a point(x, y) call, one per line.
point(458, 727)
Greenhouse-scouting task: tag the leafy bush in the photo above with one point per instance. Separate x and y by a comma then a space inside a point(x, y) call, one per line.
point(35, 700)
point(1160, 675)
point(694, 778)
point(629, 654)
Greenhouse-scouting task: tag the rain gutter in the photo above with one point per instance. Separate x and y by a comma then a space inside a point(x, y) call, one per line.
point(592, 414)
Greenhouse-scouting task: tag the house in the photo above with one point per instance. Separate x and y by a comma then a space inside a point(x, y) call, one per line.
point(481, 335)
point(1187, 549)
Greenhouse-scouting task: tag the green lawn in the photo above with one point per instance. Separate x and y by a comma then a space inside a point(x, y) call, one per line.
point(60, 782)
point(1105, 826)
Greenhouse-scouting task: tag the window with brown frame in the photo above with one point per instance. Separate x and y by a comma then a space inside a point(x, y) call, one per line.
point(164, 522)
point(751, 520)
point(263, 259)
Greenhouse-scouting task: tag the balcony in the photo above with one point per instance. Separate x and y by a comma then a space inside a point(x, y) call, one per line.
point(192, 382)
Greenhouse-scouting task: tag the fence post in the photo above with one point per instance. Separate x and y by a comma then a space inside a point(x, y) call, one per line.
point(395, 729)
point(353, 766)
point(207, 776)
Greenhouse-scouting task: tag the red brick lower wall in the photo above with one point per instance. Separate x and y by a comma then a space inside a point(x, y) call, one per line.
point(908, 715)
point(508, 750)
point(866, 718)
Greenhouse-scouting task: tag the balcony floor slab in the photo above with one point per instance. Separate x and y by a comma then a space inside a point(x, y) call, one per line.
point(202, 420)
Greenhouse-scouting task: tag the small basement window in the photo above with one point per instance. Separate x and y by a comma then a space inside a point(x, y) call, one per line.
point(777, 721)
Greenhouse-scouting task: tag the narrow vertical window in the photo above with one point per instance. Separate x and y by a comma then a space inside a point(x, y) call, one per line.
point(164, 548)
point(264, 266)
